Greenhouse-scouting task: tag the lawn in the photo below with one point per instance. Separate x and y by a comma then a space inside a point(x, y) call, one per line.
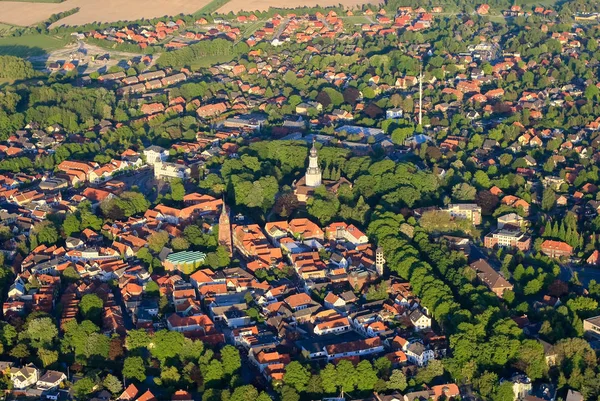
point(5, 28)
point(211, 7)
point(210, 61)
point(30, 45)
point(353, 20)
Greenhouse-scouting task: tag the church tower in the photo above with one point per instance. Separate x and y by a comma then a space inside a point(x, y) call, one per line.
point(313, 173)
point(225, 230)
point(379, 261)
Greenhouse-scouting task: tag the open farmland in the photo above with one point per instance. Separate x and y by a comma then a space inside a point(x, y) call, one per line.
point(19, 13)
point(262, 5)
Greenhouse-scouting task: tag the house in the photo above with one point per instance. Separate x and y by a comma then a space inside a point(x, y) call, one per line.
point(468, 211)
point(490, 277)
point(556, 249)
point(394, 113)
point(591, 327)
point(594, 258)
point(336, 325)
point(24, 377)
point(420, 320)
point(51, 380)
point(419, 355)
point(354, 348)
point(129, 394)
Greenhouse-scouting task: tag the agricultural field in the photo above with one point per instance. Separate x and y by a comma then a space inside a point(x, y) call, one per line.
point(261, 5)
point(30, 45)
point(24, 14)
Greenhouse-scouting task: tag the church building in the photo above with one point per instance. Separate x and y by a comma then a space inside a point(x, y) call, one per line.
point(304, 188)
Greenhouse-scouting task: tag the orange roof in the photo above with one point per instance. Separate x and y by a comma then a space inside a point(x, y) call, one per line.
point(297, 300)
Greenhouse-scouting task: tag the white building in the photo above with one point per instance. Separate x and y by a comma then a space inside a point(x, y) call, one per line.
point(155, 154)
point(418, 354)
point(333, 326)
point(313, 173)
point(169, 171)
point(391, 114)
point(420, 320)
point(24, 377)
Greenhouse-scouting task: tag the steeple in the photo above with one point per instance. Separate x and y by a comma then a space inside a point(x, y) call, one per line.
point(313, 173)
point(224, 214)
point(313, 150)
point(225, 229)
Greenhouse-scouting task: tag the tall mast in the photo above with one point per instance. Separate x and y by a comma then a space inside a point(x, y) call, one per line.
point(421, 95)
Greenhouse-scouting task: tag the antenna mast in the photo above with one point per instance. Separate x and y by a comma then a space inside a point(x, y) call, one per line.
point(421, 95)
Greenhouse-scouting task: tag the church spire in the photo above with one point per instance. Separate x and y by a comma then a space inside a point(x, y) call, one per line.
point(313, 150)
point(225, 229)
point(313, 173)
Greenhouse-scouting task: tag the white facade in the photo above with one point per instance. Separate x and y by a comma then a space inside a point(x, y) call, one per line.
point(417, 354)
point(171, 170)
point(313, 173)
point(155, 154)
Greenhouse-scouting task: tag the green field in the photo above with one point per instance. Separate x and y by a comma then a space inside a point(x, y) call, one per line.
point(5, 29)
point(30, 45)
point(211, 7)
point(209, 61)
point(354, 20)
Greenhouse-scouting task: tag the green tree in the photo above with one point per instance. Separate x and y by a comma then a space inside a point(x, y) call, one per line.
point(90, 307)
point(170, 375)
point(244, 393)
point(83, 388)
point(137, 340)
point(71, 224)
point(548, 199)
point(504, 392)
point(177, 190)
point(41, 332)
point(289, 394)
point(112, 384)
point(434, 369)
point(346, 375)
point(213, 373)
point(133, 368)
point(45, 233)
point(463, 192)
point(296, 376)
point(230, 357)
point(382, 365)
point(47, 357)
point(329, 379)
point(367, 375)
point(179, 244)
point(158, 240)
point(397, 381)
point(20, 351)
point(167, 344)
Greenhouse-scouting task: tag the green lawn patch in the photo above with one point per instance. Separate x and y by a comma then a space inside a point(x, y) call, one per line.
point(30, 45)
point(211, 7)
